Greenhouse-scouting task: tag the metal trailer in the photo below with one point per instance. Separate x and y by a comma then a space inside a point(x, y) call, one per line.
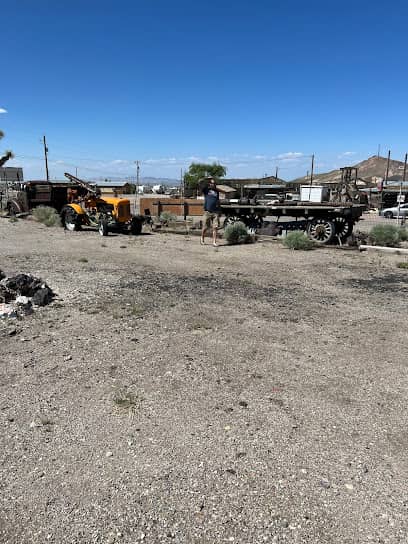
point(324, 222)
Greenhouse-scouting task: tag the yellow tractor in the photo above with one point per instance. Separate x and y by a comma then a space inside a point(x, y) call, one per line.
point(87, 207)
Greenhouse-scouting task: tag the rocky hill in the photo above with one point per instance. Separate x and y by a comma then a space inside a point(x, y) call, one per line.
point(368, 170)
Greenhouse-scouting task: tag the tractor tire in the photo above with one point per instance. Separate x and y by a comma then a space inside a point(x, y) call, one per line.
point(103, 226)
point(70, 219)
point(136, 225)
point(14, 207)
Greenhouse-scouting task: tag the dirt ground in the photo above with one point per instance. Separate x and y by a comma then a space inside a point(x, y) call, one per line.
point(184, 393)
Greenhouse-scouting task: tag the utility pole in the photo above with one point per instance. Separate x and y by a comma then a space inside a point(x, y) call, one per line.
point(384, 184)
point(276, 174)
point(378, 153)
point(137, 175)
point(388, 167)
point(46, 158)
point(137, 183)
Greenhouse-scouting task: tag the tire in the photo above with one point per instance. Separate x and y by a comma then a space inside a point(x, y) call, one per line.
point(103, 226)
point(321, 230)
point(70, 219)
point(14, 208)
point(389, 215)
point(136, 226)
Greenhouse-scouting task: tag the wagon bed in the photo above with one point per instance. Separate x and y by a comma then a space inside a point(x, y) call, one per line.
point(323, 222)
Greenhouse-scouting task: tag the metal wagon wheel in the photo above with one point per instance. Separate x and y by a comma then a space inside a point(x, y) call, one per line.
point(321, 230)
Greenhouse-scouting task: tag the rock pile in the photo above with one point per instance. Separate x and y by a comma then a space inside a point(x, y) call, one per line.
point(21, 293)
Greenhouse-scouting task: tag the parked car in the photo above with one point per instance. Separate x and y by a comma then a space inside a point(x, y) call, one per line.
point(393, 212)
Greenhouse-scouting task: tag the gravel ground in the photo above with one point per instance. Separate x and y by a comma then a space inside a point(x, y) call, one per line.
point(182, 393)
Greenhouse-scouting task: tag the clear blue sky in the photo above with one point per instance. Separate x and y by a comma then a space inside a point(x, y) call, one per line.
point(248, 84)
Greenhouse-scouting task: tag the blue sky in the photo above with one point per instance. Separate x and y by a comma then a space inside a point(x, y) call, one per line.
point(253, 85)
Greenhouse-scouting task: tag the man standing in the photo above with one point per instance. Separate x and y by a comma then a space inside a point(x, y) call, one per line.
point(211, 217)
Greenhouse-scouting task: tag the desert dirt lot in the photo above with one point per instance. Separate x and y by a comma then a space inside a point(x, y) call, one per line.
point(184, 393)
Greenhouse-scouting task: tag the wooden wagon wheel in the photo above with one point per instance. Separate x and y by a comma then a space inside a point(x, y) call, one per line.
point(343, 227)
point(321, 230)
point(230, 219)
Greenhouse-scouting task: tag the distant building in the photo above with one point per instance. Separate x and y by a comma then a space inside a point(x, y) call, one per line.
point(10, 173)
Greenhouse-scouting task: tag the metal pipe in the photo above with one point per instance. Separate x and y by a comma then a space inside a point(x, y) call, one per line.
point(400, 193)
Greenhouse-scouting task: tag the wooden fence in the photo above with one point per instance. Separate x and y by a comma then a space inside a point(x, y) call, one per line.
point(181, 207)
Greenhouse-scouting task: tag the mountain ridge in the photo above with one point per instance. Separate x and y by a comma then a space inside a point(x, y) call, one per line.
point(368, 170)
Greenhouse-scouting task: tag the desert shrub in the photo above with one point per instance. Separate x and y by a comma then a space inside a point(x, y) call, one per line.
point(385, 235)
point(167, 217)
point(403, 265)
point(47, 216)
point(403, 234)
point(298, 240)
point(236, 233)
point(359, 237)
point(126, 399)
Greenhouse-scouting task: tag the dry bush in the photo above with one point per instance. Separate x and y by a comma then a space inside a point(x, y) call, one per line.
point(236, 233)
point(47, 216)
point(385, 235)
point(298, 240)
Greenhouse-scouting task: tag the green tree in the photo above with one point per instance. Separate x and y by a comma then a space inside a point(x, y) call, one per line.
point(7, 155)
point(198, 171)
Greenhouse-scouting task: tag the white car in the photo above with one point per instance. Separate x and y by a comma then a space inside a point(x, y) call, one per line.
point(393, 212)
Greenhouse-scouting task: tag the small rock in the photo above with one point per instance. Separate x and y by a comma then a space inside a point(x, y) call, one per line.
point(34, 424)
point(22, 300)
point(43, 296)
point(350, 487)
point(68, 358)
point(325, 483)
point(7, 311)
point(243, 403)
point(109, 454)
